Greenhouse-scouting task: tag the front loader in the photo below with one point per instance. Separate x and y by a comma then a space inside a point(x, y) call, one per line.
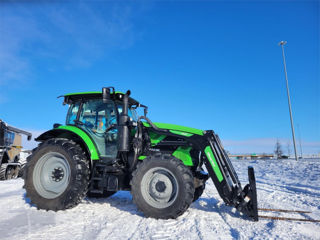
point(105, 147)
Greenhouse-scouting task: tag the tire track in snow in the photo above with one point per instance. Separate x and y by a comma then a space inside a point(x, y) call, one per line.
point(166, 230)
point(223, 212)
point(289, 189)
point(198, 227)
point(136, 230)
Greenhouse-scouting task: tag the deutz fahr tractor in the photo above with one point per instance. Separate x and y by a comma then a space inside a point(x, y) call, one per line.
point(105, 147)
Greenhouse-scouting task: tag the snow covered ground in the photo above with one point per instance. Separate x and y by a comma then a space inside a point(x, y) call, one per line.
point(280, 184)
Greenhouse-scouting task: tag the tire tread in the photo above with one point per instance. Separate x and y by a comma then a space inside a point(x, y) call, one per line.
point(76, 192)
point(188, 184)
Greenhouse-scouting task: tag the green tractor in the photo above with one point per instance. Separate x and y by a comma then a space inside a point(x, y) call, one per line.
point(105, 147)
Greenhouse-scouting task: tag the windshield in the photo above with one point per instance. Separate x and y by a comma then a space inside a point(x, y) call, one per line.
point(98, 115)
point(94, 108)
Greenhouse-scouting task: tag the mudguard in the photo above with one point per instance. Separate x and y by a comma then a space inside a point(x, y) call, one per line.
point(73, 133)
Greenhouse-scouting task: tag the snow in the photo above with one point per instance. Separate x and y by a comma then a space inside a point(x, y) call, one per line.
point(285, 184)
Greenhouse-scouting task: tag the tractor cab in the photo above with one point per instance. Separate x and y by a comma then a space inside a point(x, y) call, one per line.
point(99, 119)
point(94, 122)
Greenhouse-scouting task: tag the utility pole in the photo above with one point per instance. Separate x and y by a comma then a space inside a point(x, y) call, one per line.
point(282, 43)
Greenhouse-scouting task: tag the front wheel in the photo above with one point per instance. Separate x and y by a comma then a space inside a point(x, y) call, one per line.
point(57, 175)
point(162, 187)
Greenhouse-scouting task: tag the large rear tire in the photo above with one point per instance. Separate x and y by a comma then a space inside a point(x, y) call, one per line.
point(162, 187)
point(57, 175)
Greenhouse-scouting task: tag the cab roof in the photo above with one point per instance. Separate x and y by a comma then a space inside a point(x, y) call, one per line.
point(73, 97)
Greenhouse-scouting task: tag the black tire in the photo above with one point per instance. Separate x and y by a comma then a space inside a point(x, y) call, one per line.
point(179, 180)
point(105, 194)
point(74, 175)
point(3, 171)
point(23, 163)
point(8, 171)
point(198, 192)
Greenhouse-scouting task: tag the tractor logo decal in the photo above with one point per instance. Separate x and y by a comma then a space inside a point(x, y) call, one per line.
point(213, 163)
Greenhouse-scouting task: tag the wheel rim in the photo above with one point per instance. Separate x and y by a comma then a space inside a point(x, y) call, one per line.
point(159, 187)
point(51, 175)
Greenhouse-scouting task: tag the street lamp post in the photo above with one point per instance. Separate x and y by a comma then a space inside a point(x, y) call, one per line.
point(282, 43)
point(300, 140)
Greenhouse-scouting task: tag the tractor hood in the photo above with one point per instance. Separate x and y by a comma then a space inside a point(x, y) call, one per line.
point(176, 128)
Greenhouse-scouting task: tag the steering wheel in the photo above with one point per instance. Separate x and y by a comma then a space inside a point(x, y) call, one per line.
point(111, 121)
point(111, 127)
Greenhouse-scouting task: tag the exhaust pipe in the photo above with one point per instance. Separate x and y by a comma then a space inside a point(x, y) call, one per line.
point(123, 129)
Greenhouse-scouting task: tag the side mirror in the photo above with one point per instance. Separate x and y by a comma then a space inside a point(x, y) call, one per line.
point(145, 109)
point(105, 94)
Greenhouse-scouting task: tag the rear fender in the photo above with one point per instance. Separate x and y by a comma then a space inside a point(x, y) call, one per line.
point(75, 134)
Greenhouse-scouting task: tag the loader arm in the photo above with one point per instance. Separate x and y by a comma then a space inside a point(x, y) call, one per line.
point(226, 180)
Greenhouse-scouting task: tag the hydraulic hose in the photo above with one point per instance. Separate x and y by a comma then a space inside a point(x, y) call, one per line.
point(150, 123)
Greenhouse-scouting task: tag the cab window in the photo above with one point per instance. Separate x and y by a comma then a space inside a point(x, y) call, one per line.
point(97, 116)
point(72, 113)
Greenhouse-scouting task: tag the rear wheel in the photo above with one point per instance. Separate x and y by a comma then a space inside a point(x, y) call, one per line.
point(8, 171)
point(57, 175)
point(162, 187)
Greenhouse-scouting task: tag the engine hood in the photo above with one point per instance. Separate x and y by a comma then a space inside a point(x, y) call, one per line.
point(178, 128)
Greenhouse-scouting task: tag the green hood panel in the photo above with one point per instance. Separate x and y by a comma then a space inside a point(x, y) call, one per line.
point(183, 153)
point(176, 128)
point(92, 148)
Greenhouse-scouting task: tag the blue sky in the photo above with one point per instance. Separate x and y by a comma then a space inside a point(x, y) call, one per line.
point(204, 64)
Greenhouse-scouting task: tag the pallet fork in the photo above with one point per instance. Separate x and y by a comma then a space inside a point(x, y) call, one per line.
point(226, 180)
point(228, 185)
